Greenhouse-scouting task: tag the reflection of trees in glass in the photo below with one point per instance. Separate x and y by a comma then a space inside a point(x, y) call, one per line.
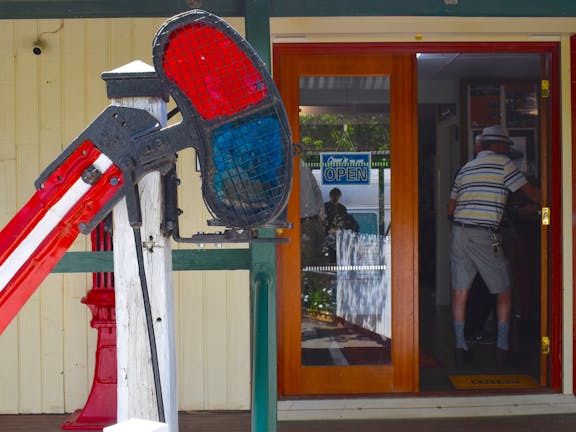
point(343, 132)
point(318, 295)
point(338, 132)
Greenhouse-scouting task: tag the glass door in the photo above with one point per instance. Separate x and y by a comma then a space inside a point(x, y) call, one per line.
point(345, 226)
point(347, 279)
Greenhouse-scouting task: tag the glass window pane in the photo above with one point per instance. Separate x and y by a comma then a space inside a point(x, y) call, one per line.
point(345, 220)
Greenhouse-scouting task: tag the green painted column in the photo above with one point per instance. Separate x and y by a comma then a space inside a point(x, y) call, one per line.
point(258, 27)
point(263, 272)
point(264, 361)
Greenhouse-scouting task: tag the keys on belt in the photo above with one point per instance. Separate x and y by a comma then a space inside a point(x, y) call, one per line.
point(496, 243)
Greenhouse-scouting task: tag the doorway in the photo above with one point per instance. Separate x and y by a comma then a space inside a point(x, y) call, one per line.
point(335, 334)
point(459, 95)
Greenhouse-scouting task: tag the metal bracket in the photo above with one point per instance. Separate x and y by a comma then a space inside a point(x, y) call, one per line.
point(229, 236)
point(171, 226)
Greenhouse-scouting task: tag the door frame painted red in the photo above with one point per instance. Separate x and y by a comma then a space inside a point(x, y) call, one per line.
point(573, 100)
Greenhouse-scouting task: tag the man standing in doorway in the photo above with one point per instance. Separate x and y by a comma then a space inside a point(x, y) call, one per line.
point(476, 205)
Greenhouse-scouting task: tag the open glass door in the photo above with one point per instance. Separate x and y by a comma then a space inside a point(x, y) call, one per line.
point(347, 279)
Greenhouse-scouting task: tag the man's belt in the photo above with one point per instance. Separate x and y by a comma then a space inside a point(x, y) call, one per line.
point(476, 226)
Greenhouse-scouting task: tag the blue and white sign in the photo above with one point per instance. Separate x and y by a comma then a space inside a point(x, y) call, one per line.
point(345, 168)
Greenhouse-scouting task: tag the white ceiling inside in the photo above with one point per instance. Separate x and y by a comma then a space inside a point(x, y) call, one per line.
point(450, 66)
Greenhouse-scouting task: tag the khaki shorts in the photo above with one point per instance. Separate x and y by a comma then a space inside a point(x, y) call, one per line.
point(472, 251)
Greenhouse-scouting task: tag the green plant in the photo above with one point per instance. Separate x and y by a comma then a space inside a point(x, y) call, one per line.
point(318, 294)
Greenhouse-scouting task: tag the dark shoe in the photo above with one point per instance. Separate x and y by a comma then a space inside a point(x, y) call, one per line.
point(483, 339)
point(462, 356)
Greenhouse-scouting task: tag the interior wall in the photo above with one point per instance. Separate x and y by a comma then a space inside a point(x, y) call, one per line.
point(438, 91)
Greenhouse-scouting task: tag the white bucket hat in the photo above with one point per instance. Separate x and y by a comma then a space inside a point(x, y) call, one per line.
point(495, 133)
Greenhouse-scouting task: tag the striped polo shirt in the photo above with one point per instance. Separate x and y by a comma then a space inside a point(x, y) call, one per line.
point(481, 188)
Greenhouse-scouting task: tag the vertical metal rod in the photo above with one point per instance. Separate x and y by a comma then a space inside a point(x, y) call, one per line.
point(264, 354)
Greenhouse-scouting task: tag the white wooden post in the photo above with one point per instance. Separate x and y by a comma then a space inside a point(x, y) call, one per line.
point(136, 389)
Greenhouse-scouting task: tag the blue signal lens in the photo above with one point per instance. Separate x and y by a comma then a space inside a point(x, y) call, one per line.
point(250, 171)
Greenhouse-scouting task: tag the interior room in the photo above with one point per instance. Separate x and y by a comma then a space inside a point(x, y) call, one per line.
point(459, 95)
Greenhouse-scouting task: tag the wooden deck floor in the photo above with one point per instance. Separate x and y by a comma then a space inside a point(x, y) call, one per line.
point(240, 422)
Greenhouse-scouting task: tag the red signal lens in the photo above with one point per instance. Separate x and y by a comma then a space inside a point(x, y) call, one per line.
point(213, 72)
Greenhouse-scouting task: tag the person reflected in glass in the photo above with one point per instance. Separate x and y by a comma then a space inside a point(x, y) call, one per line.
point(337, 218)
point(311, 218)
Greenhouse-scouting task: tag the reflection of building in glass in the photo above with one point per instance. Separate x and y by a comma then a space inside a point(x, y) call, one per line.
point(363, 201)
point(363, 290)
point(346, 296)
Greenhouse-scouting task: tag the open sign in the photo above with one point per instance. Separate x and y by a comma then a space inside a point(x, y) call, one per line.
point(345, 168)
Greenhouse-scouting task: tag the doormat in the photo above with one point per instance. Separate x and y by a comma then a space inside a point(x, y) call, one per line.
point(464, 382)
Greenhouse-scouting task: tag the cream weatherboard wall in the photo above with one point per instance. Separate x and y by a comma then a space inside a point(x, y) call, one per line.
point(47, 352)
